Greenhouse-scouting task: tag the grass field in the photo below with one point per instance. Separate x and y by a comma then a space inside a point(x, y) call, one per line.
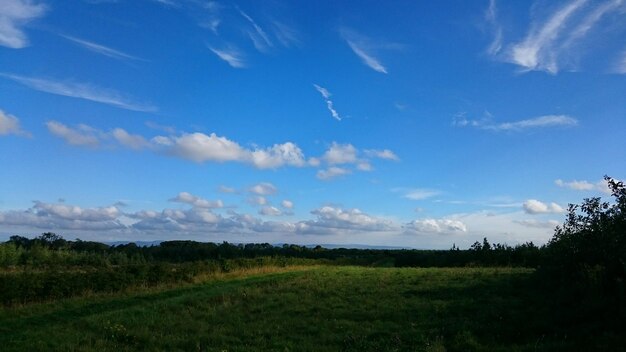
point(312, 309)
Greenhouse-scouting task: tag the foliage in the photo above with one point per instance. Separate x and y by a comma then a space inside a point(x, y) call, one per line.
point(588, 252)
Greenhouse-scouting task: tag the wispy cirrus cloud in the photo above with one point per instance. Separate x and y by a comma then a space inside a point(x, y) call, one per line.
point(230, 55)
point(416, 193)
point(620, 66)
point(10, 124)
point(364, 48)
point(81, 91)
point(487, 123)
point(101, 49)
point(14, 14)
point(555, 39)
point(329, 103)
point(491, 17)
point(260, 39)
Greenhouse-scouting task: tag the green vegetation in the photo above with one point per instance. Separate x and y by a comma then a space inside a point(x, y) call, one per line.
point(319, 308)
point(189, 296)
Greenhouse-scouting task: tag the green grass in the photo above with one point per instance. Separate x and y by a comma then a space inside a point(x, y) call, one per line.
point(312, 309)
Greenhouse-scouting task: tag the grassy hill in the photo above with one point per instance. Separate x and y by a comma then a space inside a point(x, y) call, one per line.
point(317, 308)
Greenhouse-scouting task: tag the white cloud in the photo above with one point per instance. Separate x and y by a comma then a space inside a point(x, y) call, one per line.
point(438, 226)
point(226, 189)
point(331, 173)
point(491, 16)
point(231, 55)
point(546, 121)
point(278, 155)
point(340, 154)
point(329, 103)
point(81, 91)
point(333, 220)
point(363, 47)
point(131, 141)
point(259, 38)
point(287, 204)
point(286, 35)
point(536, 51)
point(50, 216)
point(257, 200)
point(270, 211)
point(364, 166)
point(533, 207)
point(556, 39)
point(10, 124)
point(263, 189)
point(416, 193)
point(620, 67)
point(14, 14)
point(188, 198)
point(101, 49)
point(199, 147)
point(82, 135)
point(382, 154)
point(600, 186)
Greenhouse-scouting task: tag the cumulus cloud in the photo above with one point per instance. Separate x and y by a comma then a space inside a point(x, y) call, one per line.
point(533, 206)
point(270, 211)
point(131, 141)
point(200, 147)
point(226, 189)
point(257, 200)
point(82, 135)
point(546, 121)
point(333, 220)
point(340, 154)
point(331, 173)
point(14, 15)
point(287, 204)
point(437, 226)
point(277, 156)
point(10, 124)
point(329, 103)
point(263, 189)
point(381, 154)
point(600, 186)
point(81, 91)
point(63, 216)
point(188, 198)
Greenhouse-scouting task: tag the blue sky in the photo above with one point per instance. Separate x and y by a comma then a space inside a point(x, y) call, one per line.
point(416, 123)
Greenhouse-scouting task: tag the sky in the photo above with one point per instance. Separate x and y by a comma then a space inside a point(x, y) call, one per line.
point(417, 124)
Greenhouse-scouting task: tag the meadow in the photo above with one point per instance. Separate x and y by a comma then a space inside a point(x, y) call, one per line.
point(316, 308)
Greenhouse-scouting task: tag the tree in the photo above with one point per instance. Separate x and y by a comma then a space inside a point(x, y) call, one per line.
point(591, 245)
